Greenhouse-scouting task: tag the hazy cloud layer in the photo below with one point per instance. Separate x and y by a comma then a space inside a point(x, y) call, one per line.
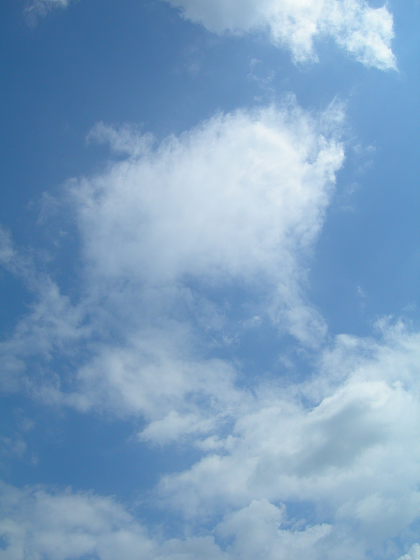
point(362, 31)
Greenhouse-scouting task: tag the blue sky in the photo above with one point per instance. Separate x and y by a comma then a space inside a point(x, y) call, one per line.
point(209, 275)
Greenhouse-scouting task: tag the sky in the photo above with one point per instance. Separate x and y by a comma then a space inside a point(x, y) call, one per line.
point(209, 275)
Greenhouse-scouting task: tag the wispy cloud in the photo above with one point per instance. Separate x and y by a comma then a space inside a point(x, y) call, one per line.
point(38, 8)
point(364, 32)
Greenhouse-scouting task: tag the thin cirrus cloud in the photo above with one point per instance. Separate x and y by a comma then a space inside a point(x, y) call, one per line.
point(41, 7)
point(364, 32)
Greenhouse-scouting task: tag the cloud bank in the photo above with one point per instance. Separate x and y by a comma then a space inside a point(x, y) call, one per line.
point(364, 32)
point(342, 444)
point(336, 478)
point(185, 247)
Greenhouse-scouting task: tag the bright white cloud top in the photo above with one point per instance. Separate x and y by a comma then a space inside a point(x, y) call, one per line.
point(362, 31)
point(183, 311)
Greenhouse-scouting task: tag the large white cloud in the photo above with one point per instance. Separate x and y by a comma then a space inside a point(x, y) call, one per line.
point(328, 468)
point(362, 31)
point(235, 198)
point(37, 523)
point(236, 203)
point(181, 244)
point(344, 446)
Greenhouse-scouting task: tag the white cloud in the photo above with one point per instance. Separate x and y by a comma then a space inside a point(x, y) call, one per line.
point(156, 375)
point(338, 479)
point(37, 523)
point(40, 524)
point(237, 201)
point(52, 325)
point(352, 454)
point(165, 234)
point(413, 554)
point(258, 534)
point(222, 201)
point(362, 31)
point(41, 8)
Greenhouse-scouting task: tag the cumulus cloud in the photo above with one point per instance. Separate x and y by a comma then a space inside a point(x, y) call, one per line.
point(413, 554)
point(362, 31)
point(349, 458)
point(328, 468)
point(182, 245)
point(41, 524)
point(223, 201)
point(166, 235)
point(37, 523)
